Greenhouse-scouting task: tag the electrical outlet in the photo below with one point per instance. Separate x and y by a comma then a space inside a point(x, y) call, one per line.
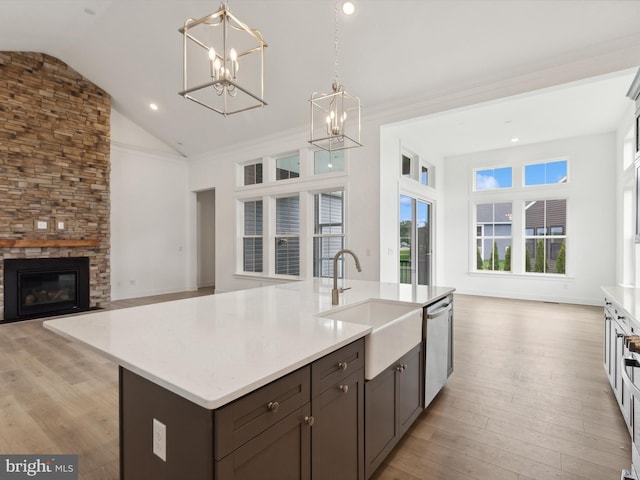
point(60, 225)
point(160, 439)
point(41, 224)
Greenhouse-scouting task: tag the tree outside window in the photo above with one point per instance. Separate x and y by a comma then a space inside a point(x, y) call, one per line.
point(493, 236)
point(545, 236)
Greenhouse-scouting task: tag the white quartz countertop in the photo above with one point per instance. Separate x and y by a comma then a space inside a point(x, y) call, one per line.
point(213, 349)
point(626, 297)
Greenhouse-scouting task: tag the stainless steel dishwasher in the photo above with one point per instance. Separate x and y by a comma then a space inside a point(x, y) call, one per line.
point(436, 347)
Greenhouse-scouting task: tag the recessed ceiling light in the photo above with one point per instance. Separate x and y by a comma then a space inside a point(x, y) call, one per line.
point(348, 8)
point(153, 106)
point(515, 140)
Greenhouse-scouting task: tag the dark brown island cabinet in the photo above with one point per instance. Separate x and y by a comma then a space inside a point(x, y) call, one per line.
point(320, 422)
point(308, 424)
point(393, 400)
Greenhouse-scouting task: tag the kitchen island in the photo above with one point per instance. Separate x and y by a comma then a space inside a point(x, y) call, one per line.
point(190, 367)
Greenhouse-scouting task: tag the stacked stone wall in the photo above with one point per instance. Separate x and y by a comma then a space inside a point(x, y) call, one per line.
point(54, 163)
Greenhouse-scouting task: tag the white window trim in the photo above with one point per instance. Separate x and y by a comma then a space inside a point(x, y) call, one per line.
point(518, 195)
point(305, 186)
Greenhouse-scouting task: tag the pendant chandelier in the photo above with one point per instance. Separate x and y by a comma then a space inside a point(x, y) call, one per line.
point(335, 116)
point(214, 49)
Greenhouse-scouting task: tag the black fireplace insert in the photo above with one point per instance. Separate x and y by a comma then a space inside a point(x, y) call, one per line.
point(40, 287)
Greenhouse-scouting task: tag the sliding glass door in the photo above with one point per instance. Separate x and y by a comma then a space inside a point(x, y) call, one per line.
point(415, 241)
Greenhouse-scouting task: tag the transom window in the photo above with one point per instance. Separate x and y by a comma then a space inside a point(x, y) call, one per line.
point(327, 162)
point(493, 178)
point(288, 167)
point(253, 174)
point(545, 173)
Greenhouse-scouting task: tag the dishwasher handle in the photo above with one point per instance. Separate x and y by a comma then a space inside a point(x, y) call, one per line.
point(439, 311)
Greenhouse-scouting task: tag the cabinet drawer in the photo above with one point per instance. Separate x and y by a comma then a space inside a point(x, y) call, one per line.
point(336, 366)
point(282, 452)
point(247, 417)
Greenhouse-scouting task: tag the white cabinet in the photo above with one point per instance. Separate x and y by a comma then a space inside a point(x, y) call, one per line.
point(617, 330)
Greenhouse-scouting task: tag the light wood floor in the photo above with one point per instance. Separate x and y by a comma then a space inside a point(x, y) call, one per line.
point(528, 400)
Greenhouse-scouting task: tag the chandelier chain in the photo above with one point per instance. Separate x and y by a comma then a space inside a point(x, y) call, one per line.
point(336, 43)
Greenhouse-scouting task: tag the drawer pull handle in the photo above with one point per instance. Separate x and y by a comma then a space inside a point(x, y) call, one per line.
point(273, 406)
point(309, 420)
point(343, 365)
point(404, 366)
point(399, 368)
point(344, 388)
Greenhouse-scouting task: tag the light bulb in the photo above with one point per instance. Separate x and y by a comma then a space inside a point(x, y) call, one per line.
point(233, 55)
point(212, 53)
point(216, 64)
point(348, 8)
point(332, 114)
point(328, 120)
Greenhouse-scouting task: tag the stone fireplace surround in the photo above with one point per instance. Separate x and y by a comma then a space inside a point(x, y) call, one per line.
point(54, 166)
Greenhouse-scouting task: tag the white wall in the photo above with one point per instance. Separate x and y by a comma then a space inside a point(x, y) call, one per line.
point(625, 201)
point(361, 198)
point(591, 220)
point(149, 229)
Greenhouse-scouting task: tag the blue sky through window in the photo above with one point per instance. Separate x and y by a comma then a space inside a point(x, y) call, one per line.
point(545, 173)
point(493, 178)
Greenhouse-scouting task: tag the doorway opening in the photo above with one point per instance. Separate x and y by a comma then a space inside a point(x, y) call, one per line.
point(415, 241)
point(206, 238)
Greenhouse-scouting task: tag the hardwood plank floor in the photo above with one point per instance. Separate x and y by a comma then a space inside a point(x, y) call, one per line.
point(528, 399)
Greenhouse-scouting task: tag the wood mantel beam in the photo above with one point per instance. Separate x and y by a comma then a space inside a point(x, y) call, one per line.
point(34, 243)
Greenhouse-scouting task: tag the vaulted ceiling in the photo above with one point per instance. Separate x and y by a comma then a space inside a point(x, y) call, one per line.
point(390, 52)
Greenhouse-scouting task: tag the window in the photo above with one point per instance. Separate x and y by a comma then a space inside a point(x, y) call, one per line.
point(328, 232)
point(288, 167)
point(545, 251)
point(424, 175)
point(253, 174)
point(493, 178)
point(327, 162)
point(406, 165)
point(287, 239)
point(493, 236)
point(252, 238)
point(545, 173)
